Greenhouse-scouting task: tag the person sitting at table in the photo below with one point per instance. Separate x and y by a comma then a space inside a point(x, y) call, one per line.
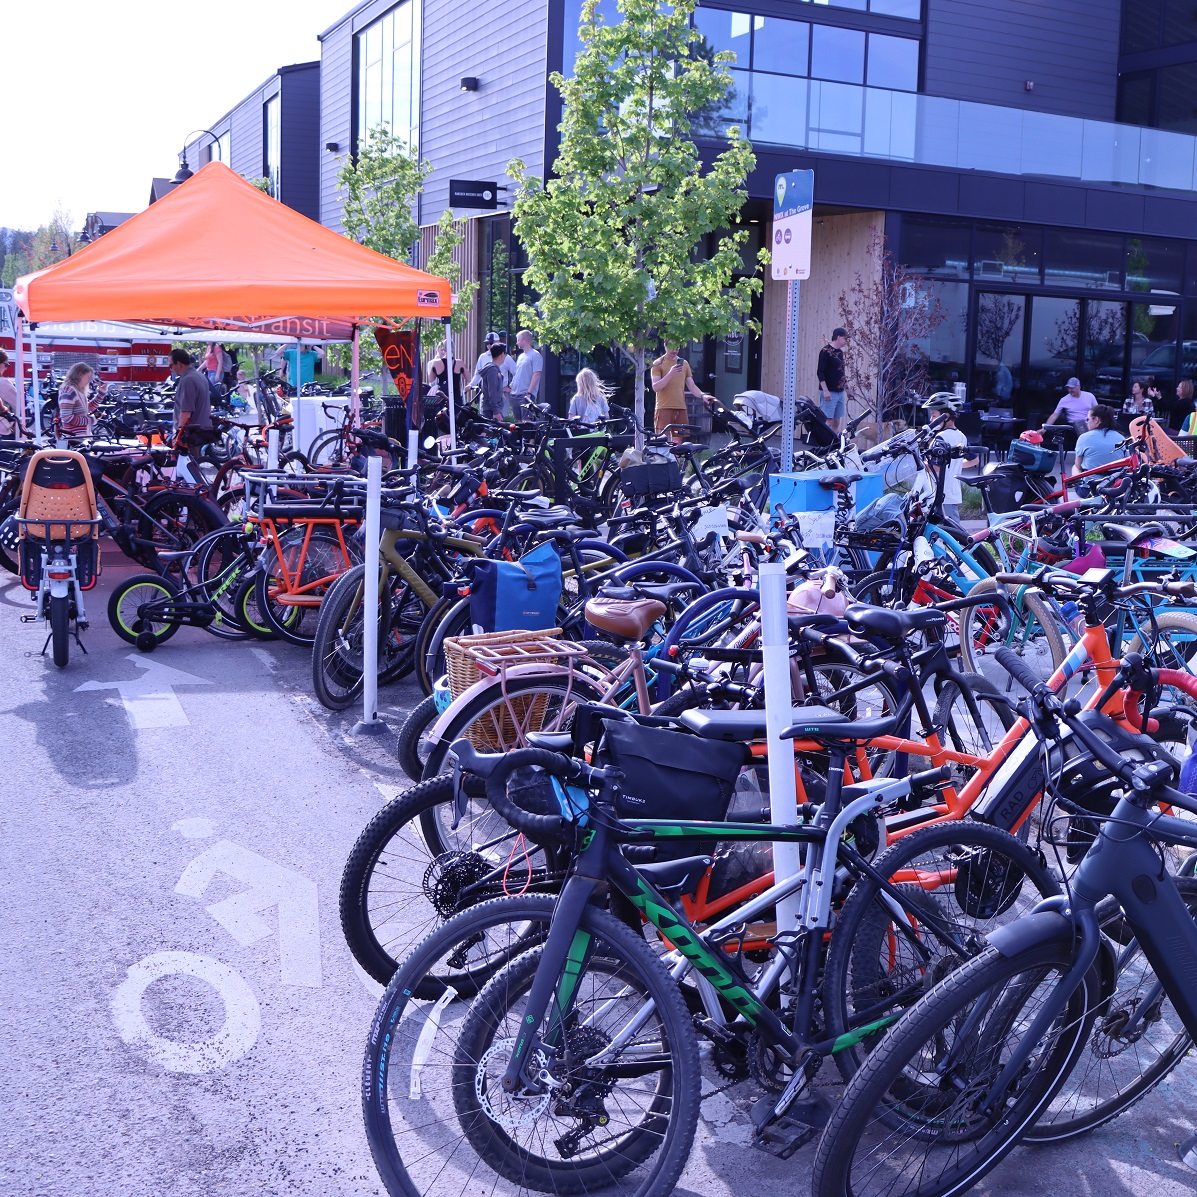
point(1098, 445)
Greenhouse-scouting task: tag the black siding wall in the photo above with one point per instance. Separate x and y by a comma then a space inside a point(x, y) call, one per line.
point(300, 132)
point(986, 50)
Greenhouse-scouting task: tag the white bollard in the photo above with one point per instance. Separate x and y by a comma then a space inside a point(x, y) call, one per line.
point(272, 449)
point(783, 794)
point(413, 447)
point(370, 723)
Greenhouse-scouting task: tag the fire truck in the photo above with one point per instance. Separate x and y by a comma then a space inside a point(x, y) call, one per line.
point(60, 346)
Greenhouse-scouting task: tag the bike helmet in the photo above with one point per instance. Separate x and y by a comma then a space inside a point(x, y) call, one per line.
point(942, 401)
point(885, 512)
point(1054, 548)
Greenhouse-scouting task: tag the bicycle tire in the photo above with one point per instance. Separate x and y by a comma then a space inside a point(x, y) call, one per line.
point(431, 663)
point(976, 647)
point(428, 629)
point(530, 699)
point(133, 593)
point(408, 748)
point(323, 553)
point(960, 728)
point(395, 890)
point(60, 629)
point(222, 564)
point(885, 1098)
point(336, 672)
point(245, 605)
point(1171, 621)
point(867, 963)
point(652, 1154)
point(1106, 1046)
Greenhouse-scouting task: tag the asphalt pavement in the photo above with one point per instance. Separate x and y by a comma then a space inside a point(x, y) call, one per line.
point(179, 1014)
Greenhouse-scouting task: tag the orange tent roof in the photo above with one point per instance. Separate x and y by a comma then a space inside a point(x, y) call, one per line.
point(218, 253)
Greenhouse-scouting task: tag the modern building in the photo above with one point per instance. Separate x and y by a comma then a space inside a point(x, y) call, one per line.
point(1035, 160)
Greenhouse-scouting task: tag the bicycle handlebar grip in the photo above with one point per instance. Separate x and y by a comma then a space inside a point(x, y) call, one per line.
point(1014, 665)
point(1016, 579)
point(495, 776)
point(876, 453)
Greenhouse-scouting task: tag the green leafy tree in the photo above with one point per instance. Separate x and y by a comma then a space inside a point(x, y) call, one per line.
point(379, 191)
point(614, 240)
point(35, 251)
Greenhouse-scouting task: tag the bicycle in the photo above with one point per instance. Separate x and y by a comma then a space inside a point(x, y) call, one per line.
point(983, 1058)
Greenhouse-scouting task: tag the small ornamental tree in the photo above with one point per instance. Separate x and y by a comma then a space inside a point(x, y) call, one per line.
point(615, 238)
point(886, 317)
point(379, 191)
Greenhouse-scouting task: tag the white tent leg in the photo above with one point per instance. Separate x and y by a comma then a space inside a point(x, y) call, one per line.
point(370, 723)
point(449, 383)
point(20, 346)
point(37, 390)
point(355, 402)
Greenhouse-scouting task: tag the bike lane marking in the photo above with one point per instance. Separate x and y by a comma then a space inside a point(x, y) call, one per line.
point(150, 700)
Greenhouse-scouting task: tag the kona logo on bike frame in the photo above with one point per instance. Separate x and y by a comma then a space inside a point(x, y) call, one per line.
point(667, 922)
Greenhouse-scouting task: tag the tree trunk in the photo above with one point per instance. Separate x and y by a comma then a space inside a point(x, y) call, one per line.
point(638, 359)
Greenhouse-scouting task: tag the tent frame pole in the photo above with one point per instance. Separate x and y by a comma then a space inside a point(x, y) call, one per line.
point(37, 391)
point(355, 402)
point(20, 348)
point(449, 381)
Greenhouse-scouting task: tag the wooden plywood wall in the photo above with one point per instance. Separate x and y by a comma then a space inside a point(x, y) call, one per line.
point(839, 251)
point(466, 256)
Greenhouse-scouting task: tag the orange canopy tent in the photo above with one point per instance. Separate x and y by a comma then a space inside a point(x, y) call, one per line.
point(218, 254)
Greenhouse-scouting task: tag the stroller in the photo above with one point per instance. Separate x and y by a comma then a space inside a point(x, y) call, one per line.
point(59, 549)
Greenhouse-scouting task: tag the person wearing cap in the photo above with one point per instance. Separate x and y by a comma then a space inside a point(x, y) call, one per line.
point(1074, 408)
point(950, 435)
point(832, 395)
point(506, 365)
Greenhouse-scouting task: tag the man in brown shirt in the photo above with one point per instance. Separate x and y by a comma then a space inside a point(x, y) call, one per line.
point(672, 378)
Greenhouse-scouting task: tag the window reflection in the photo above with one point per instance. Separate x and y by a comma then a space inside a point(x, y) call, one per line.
point(779, 109)
point(945, 346)
point(782, 47)
point(893, 62)
point(997, 358)
point(389, 73)
point(1007, 253)
point(1083, 259)
point(837, 54)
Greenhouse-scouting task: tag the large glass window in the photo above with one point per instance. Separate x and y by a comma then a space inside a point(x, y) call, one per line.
point(898, 8)
point(1176, 100)
point(1180, 21)
point(607, 11)
point(1153, 264)
point(1055, 344)
point(1009, 253)
point(272, 145)
point(944, 348)
point(726, 31)
point(1083, 259)
point(388, 66)
point(935, 248)
point(220, 150)
point(837, 54)
point(997, 356)
point(781, 46)
point(1140, 26)
point(893, 62)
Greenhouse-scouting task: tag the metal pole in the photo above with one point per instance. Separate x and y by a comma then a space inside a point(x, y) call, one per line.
point(783, 795)
point(789, 393)
point(271, 457)
point(413, 447)
point(20, 347)
point(370, 723)
point(37, 391)
point(449, 382)
point(355, 402)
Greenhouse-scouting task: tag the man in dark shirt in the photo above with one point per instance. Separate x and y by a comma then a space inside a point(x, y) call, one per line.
point(831, 380)
point(493, 381)
point(193, 402)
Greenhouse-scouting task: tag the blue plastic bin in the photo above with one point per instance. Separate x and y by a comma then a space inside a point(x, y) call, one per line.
point(802, 492)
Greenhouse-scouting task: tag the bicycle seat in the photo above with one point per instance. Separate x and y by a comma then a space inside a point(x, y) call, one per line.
point(625, 619)
point(838, 481)
point(1130, 536)
point(686, 447)
point(562, 742)
point(554, 517)
point(745, 726)
point(664, 592)
point(891, 625)
point(175, 555)
point(1185, 463)
point(673, 878)
point(566, 534)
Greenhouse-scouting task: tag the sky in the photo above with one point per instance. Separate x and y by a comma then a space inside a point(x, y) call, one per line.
point(100, 97)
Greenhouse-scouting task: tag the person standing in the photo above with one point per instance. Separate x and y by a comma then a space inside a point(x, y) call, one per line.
point(192, 400)
point(1073, 408)
point(438, 368)
point(589, 403)
point(671, 378)
point(9, 400)
point(484, 359)
point(529, 368)
point(74, 411)
point(832, 395)
point(951, 436)
point(1098, 445)
point(493, 382)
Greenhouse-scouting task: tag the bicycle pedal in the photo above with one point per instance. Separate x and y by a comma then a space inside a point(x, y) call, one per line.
point(784, 1136)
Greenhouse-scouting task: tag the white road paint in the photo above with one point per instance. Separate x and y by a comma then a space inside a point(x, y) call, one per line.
point(194, 829)
point(150, 700)
point(239, 1032)
point(266, 658)
point(270, 885)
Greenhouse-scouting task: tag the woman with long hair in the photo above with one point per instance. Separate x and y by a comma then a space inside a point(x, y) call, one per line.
point(74, 411)
point(589, 403)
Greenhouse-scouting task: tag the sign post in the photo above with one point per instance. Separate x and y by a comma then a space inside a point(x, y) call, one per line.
point(793, 211)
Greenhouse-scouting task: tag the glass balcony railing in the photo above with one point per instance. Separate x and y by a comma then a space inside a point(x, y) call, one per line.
point(842, 118)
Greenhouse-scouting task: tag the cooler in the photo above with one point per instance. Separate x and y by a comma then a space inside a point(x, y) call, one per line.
point(802, 492)
point(309, 419)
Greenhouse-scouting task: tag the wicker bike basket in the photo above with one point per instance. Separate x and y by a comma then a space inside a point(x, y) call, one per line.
point(491, 654)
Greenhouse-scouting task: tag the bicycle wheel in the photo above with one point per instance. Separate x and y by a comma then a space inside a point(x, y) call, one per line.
point(622, 1121)
point(429, 626)
point(328, 450)
point(245, 606)
point(337, 646)
point(915, 1120)
point(126, 611)
point(176, 520)
point(1137, 1040)
point(395, 889)
point(500, 717)
point(60, 629)
point(222, 564)
point(292, 616)
point(412, 748)
point(968, 877)
point(1028, 626)
point(1174, 648)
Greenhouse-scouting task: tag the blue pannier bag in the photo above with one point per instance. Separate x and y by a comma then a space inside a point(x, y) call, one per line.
point(523, 595)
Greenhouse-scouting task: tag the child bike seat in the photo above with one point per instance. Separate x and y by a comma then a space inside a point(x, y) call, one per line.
point(57, 486)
